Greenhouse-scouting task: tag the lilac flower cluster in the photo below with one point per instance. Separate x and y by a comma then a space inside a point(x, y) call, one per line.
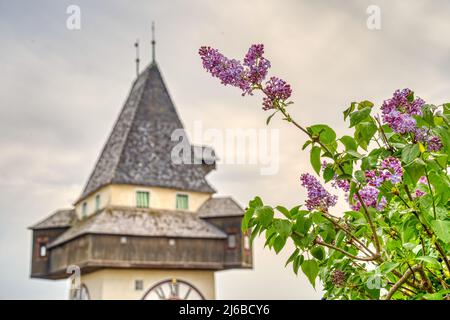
point(229, 71)
point(397, 112)
point(318, 197)
point(247, 76)
point(258, 66)
point(369, 196)
point(276, 90)
point(390, 169)
point(433, 143)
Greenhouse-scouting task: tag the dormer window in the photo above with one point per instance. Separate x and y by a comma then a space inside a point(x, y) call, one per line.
point(84, 210)
point(142, 199)
point(182, 202)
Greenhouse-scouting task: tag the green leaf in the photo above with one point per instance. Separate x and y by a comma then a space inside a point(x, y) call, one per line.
point(359, 116)
point(364, 132)
point(388, 266)
point(284, 211)
point(415, 170)
point(328, 173)
point(256, 202)
point(355, 154)
point(365, 103)
point(298, 262)
point(408, 229)
point(279, 243)
point(315, 158)
point(265, 215)
point(430, 260)
point(325, 133)
point(292, 256)
point(410, 152)
point(349, 110)
point(270, 117)
point(283, 227)
point(247, 216)
point(307, 143)
point(302, 225)
point(360, 176)
point(349, 143)
point(310, 268)
point(442, 229)
point(318, 253)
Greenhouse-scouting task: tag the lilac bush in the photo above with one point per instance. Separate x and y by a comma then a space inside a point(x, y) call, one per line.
point(393, 242)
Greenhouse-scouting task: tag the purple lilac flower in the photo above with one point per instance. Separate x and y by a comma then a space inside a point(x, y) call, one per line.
point(275, 90)
point(420, 135)
point(318, 197)
point(229, 71)
point(257, 64)
point(397, 112)
point(342, 184)
point(392, 169)
point(373, 178)
point(369, 196)
point(423, 180)
point(434, 144)
point(399, 122)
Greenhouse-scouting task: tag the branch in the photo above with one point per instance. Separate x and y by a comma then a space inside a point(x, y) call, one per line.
point(401, 281)
point(369, 220)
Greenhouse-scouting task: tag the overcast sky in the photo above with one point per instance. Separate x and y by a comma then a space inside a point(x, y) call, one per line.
point(61, 91)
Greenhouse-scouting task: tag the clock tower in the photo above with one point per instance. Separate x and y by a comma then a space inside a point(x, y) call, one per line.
point(145, 226)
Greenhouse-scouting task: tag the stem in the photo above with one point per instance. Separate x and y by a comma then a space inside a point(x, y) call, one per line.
point(383, 134)
point(431, 192)
point(337, 225)
point(372, 258)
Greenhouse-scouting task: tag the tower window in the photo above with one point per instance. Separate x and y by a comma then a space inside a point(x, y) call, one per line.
point(182, 202)
point(138, 285)
point(142, 199)
point(231, 241)
point(84, 209)
point(42, 250)
point(97, 202)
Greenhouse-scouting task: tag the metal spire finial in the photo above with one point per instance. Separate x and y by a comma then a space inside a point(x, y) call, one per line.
point(153, 42)
point(136, 45)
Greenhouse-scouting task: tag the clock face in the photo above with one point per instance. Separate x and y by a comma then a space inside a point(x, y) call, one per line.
point(173, 290)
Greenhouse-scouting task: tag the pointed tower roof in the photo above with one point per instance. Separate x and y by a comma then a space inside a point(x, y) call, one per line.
point(138, 149)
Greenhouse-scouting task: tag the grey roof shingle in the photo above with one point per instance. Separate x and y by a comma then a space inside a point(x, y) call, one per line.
point(142, 222)
point(220, 207)
point(63, 218)
point(139, 147)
